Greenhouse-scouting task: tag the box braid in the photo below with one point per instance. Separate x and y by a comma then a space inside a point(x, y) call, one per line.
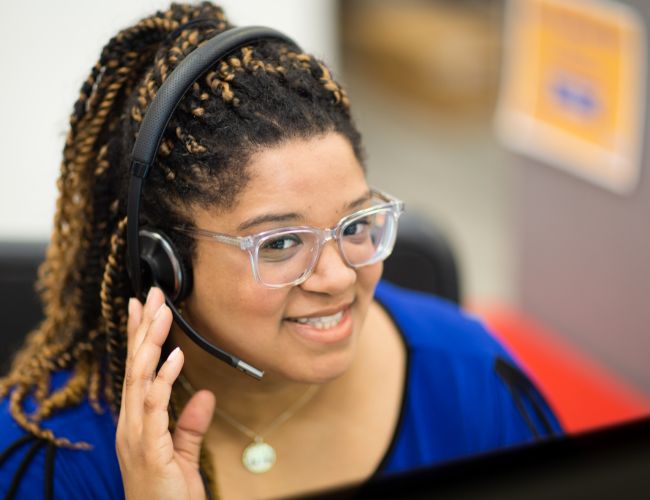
point(259, 97)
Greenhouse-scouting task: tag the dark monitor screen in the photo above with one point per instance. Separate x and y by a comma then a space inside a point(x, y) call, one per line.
point(612, 463)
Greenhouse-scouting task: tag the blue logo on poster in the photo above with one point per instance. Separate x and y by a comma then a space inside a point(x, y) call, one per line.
point(575, 97)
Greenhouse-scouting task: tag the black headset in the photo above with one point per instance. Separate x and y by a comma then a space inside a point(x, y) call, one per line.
point(152, 258)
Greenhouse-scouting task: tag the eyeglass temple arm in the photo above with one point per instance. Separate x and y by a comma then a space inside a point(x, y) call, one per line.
point(238, 241)
point(389, 198)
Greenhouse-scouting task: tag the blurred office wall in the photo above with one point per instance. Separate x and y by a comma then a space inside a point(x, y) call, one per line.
point(584, 258)
point(423, 77)
point(47, 49)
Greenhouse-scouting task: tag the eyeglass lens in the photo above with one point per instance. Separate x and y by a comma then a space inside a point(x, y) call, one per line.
point(284, 258)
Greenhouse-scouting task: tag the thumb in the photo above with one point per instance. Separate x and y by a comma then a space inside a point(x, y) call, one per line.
point(192, 426)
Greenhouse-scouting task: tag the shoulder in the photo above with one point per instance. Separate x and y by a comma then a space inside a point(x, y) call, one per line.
point(31, 467)
point(449, 352)
point(432, 324)
point(464, 392)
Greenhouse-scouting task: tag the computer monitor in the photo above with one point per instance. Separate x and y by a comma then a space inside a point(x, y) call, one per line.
point(612, 462)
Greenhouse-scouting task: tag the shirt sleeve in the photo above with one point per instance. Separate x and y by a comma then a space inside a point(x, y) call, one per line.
point(31, 467)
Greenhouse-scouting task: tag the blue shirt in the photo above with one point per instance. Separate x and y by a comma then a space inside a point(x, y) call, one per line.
point(463, 395)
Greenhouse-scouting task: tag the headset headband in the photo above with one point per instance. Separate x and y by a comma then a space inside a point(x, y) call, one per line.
point(157, 117)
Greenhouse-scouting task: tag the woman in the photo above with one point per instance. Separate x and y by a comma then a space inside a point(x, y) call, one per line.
point(109, 398)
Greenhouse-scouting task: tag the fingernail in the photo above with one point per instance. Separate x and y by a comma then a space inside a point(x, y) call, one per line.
point(149, 294)
point(173, 354)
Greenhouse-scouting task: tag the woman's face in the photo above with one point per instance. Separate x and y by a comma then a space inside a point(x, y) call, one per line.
point(312, 182)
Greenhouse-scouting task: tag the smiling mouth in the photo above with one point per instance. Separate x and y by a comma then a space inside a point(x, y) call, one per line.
point(321, 322)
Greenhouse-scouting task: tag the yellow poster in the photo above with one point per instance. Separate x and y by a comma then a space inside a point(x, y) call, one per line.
point(573, 87)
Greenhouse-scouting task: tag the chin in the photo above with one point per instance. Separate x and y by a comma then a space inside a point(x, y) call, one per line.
point(328, 367)
point(325, 376)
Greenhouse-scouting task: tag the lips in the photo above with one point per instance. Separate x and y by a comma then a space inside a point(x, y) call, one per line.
point(325, 326)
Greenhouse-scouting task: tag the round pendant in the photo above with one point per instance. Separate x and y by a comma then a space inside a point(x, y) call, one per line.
point(258, 457)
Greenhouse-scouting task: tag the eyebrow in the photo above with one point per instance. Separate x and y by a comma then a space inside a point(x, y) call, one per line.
point(292, 216)
point(261, 219)
point(359, 201)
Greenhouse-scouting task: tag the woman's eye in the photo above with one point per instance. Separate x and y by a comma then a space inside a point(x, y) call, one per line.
point(282, 243)
point(356, 228)
point(281, 248)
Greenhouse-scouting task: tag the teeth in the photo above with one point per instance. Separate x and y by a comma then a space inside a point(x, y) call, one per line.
point(322, 323)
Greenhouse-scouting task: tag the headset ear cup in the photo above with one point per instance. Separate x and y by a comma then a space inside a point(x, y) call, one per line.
point(186, 281)
point(162, 265)
point(185, 273)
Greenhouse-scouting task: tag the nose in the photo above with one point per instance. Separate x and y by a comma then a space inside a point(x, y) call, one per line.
point(331, 274)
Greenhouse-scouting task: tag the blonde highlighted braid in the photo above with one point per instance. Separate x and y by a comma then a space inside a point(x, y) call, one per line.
point(258, 97)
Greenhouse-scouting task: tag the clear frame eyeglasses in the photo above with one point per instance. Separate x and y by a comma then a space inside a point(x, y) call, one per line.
point(287, 256)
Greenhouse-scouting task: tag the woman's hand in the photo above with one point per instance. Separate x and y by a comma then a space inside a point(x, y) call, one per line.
point(154, 463)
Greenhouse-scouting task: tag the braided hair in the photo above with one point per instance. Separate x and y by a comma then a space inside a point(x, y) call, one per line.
point(258, 97)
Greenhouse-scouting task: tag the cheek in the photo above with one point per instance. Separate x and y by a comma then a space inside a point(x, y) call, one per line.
point(369, 276)
point(367, 279)
point(227, 297)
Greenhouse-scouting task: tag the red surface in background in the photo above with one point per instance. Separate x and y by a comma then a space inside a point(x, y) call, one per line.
point(584, 394)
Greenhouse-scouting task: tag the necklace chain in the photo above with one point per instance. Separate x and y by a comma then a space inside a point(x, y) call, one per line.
point(274, 424)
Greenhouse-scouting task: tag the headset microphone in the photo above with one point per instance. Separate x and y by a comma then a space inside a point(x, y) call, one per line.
point(152, 258)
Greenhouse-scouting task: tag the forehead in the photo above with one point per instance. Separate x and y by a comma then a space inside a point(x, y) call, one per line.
point(316, 177)
point(304, 165)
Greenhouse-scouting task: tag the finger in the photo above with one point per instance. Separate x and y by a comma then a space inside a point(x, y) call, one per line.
point(155, 407)
point(135, 310)
point(192, 426)
point(135, 318)
point(139, 319)
point(141, 372)
point(155, 299)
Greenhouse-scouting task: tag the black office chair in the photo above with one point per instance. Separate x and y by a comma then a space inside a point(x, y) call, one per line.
point(20, 306)
point(422, 260)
